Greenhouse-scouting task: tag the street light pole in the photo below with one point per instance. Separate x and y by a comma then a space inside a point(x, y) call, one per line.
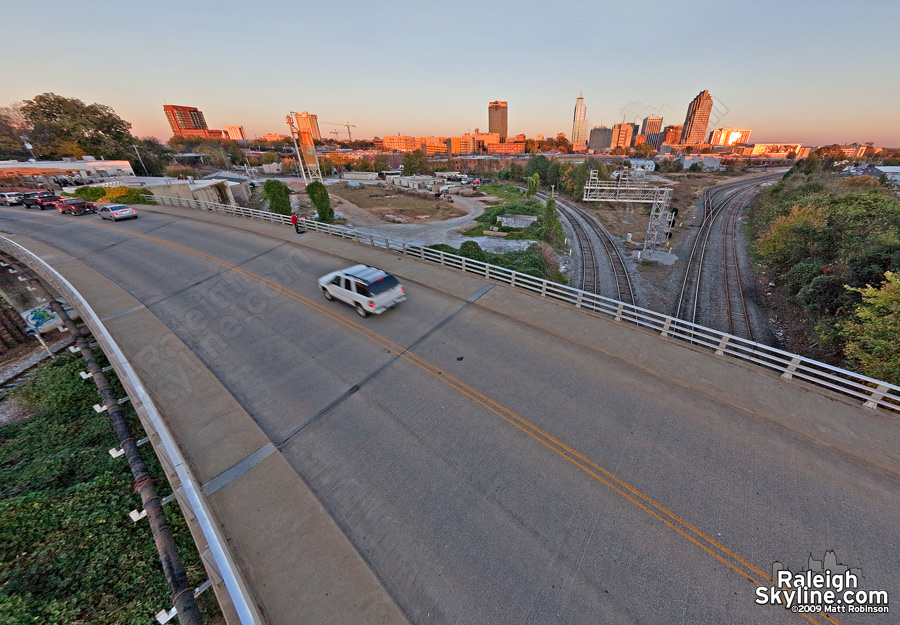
point(146, 173)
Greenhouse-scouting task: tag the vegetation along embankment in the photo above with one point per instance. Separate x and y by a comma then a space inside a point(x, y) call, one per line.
point(539, 259)
point(830, 247)
point(69, 552)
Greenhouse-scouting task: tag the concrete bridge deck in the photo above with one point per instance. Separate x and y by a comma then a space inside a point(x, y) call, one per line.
point(302, 564)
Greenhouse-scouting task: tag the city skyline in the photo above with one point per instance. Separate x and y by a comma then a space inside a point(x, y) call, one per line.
point(781, 84)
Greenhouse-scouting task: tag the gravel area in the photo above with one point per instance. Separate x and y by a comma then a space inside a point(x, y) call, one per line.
point(431, 232)
point(15, 368)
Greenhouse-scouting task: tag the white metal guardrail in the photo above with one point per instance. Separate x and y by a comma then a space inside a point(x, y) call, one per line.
point(873, 393)
point(237, 590)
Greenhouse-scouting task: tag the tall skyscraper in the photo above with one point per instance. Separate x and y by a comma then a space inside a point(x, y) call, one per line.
point(497, 119)
point(697, 119)
point(188, 121)
point(235, 133)
point(580, 125)
point(622, 135)
point(306, 122)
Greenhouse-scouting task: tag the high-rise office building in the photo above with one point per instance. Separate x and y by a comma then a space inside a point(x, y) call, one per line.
point(651, 125)
point(601, 138)
point(622, 135)
point(400, 143)
point(235, 133)
point(307, 122)
point(670, 135)
point(729, 136)
point(697, 119)
point(650, 128)
point(580, 125)
point(188, 121)
point(497, 119)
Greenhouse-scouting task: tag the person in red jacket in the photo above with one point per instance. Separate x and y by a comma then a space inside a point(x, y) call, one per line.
point(296, 221)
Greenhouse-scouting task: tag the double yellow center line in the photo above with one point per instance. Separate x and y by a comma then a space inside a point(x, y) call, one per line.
point(644, 502)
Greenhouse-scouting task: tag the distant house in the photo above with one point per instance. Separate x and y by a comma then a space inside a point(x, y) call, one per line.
point(709, 162)
point(360, 175)
point(646, 164)
point(891, 171)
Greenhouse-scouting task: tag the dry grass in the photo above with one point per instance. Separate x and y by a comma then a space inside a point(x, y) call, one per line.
point(381, 201)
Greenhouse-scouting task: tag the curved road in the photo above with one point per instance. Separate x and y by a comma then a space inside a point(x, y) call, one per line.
point(490, 471)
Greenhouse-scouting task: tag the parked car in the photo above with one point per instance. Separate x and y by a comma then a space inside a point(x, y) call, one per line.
point(367, 289)
point(74, 206)
point(36, 199)
point(11, 198)
point(117, 212)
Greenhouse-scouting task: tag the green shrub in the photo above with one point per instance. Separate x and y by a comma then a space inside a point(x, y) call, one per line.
point(137, 196)
point(471, 249)
point(91, 194)
point(277, 194)
point(825, 295)
point(802, 274)
point(318, 195)
point(524, 261)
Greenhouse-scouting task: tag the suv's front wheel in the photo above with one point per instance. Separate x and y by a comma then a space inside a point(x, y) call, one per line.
point(360, 310)
point(327, 295)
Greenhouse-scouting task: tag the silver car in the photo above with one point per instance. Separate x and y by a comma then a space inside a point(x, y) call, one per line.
point(367, 289)
point(11, 198)
point(117, 212)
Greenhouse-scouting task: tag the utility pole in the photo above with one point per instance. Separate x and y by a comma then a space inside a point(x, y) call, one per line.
point(146, 173)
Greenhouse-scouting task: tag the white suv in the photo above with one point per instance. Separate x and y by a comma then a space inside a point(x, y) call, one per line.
point(367, 289)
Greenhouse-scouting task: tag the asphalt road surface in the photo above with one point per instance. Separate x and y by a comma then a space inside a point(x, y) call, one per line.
point(488, 471)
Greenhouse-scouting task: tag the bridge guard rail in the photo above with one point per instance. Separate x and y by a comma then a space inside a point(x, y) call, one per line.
point(170, 454)
point(871, 392)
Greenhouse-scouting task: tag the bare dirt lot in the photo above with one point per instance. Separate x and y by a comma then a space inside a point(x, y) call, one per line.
point(379, 202)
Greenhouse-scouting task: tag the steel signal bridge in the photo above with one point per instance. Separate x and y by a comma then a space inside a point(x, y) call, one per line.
point(625, 190)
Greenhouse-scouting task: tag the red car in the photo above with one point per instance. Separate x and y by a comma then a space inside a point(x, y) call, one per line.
point(75, 206)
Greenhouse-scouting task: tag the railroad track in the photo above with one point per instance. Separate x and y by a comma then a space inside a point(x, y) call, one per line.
point(587, 277)
point(582, 224)
point(722, 208)
point(736, 306)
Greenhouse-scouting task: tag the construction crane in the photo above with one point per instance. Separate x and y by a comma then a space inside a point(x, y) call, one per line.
point(347, 125)
point(335, 133)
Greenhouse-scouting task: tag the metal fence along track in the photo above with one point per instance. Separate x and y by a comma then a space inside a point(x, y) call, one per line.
point(871, 392)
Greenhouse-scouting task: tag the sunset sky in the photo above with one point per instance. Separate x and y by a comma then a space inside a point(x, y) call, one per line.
point(817, 72)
